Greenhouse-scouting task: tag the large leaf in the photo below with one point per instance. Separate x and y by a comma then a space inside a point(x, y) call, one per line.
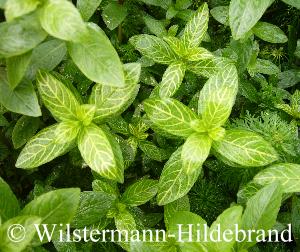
point(113, 100)
point(62, 20)
point(87, 8)
point(42, 148)
point(17, 8)
point(244, 14)
point(140, 192)
point(174, 183)
point(21, 100)
point(245, 148)
point(170, 115)
point(96, 58)
point(20, 35)
point(57, 97)
point(217, 97)
point(286, 174)
point(269, 32)
point(101, 152)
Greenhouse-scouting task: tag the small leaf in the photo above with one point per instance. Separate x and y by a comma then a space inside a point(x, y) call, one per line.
point(157, 27)
point(87, 8)
point(86, 113)
point(221, 14)
point(17, 8)
point(113, 15)
point(125, 221)
point(152, 151)
point(140, 192)
point(67, 131)
point(269, 32)
point(264, 67)
point(245, 148)
point(293, 3)
point(105, 187)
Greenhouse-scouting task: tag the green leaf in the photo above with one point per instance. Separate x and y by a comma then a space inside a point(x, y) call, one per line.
point(42, 148)
point(221, 14)
point(21, 35)
point(163, 4)
point(57, 97)
point(170, 115)
point(92, 207)
point(269, 32)
point(264, 67)
point(244, 14)
point(245, 148)
point(195, 150)
point(171, 80)
point(286, 174)
point(24, 129)
point(174, 183)
point(97, 59)
point(183, 4)
point(27, 222)
point(261, 212)
point(154, 48)
point(86, 113)
point(157, 27)
point(140, 192)
point(217, 97)
point(101, 152)
point(125, 221)
point(294, 3)
point(62, 20)
point(22, 99)
point(113, 100)
point(17, 8)
point(16, 67)
point(196, 27)
point(67, 131)
point(113, 14)
point(87, 8)
point(9, 205)
point(152, 151)
point(105, 187)
point(246, 192)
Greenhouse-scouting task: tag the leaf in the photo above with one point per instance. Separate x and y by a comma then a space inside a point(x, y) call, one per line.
point(196, 27)
point(24, 129)
point(92, 207)
point(157, 27)
point(112, 101)
point(171, 80)
point(174, 183)
point(62, 20)
point(57, 97)
point(42, 148)
point(67, 131)
point(195, 150)
point(163, 4)
point(217, 97)
point(183, 4)
point(245, 148)
point(16, 67)
point(140, 192)
point(17, 8)
point(170, 115)
point(9, 205)
point(154, 48)
point(244, 14)
point(22, 99)
point(152, 151)
point(96, 58)
point(261, 212)
point(269, 32)
point(125, 221)
point(21, 35)
point(264, 67)
point(105, 187)
point(113, 15)
point(87, 8)
point(286, 174)
point(101, 152)
point(221, 14)
point(246, 192)
point(293, 3)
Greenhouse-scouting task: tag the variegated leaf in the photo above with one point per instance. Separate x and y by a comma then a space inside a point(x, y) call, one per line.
point(67, 131)
point(269, 32)
point(125, 221)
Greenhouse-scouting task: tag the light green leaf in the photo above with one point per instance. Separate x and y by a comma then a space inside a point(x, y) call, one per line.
point(57, 97)
point(261, 212)
point(286, 174)
point(196, 27)
point(87, 8)
point(171, 80)
point(140, 192)
point(42, 148)
point(17, 8)
point(170, 115)
point(154, 48)
point(105, 186)
point(85, 113)
point(244, 14)
point(157, 27)
point(221, 14)
point(97, 59)
point(62, 20)
point(24, 129)
point(245, 148)
point(264, 67)
point(195, 150)
point(163, 4)
point(67, 131)
point(22, 99)
point(9, 205)
point(113, 100)
point(125, 221)
point(294, 3)
point(113, 15)
point(101, 152)
point(269, 32)
point(183, 4)
point(21, 35)
point(246, 192)
point(217, 97)
point(92, 207)
point(174, 183)
point(152, 151)
point(16, 67)
point(199, 53)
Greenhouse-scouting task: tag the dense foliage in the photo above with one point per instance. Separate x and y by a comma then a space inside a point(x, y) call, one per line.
point(142, 114)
